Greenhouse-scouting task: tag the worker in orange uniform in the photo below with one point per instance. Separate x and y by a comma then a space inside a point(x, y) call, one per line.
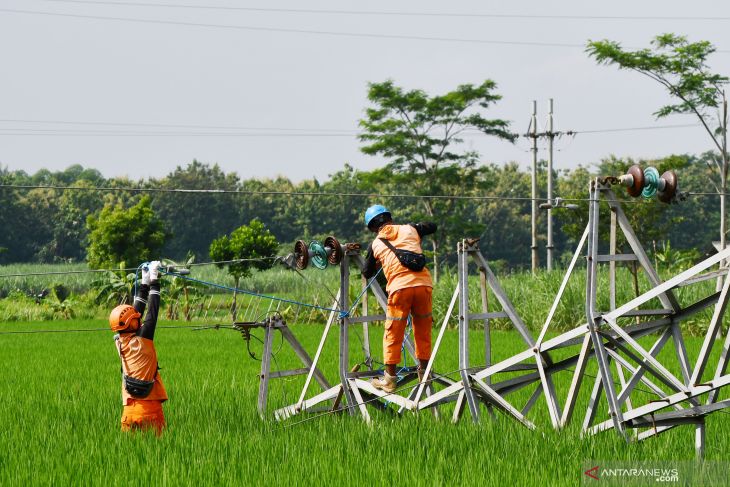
point(397, 249)
point(142, 390)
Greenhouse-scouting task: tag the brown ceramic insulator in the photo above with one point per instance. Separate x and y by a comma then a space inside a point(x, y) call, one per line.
point(335, 255)
point(638, 174)
point(301, 254)
point(670, 187)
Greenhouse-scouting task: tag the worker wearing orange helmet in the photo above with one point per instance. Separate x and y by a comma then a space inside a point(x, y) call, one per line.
point(142, 390)
point(397, 249)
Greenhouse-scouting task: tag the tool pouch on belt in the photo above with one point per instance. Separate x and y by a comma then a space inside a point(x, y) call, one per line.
point(138, 388)
point(412, 260)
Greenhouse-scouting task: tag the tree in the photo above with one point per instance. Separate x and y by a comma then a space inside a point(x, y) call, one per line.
point(420, 135)
point(249, 247)
point(681, 67)
point(127, 236)
point(17, 240)
point(70, 232)
point(192, 218)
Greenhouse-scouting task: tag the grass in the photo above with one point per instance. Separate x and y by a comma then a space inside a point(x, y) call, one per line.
point(532, 296)
point(60, 411)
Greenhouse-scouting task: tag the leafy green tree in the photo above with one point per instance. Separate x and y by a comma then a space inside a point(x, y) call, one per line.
point(193, 217)
point(127, 236)
point(17, 236)
point(69, 229)
point(420, 136)
point(248, 247)
point(681, 68)
point(505, 234)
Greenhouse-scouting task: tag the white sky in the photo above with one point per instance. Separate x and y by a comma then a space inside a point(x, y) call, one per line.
point(57, 68)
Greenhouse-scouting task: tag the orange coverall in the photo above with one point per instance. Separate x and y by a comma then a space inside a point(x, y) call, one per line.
point(409, 292)
point(139, 360)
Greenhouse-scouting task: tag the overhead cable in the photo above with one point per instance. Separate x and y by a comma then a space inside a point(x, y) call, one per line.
point(132, 269)
point(304, 31)
point(168, 125)
point(23, 131)
point(290, 193)
point(393, 13)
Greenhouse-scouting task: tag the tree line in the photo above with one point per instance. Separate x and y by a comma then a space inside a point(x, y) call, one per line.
point(54, 225)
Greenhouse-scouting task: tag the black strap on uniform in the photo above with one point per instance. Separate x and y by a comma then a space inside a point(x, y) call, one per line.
point(389, 245)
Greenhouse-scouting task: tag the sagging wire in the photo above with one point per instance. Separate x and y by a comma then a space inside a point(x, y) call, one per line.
point(251, 293)
point(298, 193)
point(85, 330)
point(130, 269)
point(364, 290)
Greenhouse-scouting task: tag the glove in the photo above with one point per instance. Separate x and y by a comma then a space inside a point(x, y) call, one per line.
point(146, 273)
point(155, 270)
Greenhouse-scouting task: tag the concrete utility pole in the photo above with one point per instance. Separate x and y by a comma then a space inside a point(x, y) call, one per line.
point(533, 134)
point(550, 135)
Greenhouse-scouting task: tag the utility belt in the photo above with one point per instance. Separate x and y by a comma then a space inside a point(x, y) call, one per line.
point(137, 388)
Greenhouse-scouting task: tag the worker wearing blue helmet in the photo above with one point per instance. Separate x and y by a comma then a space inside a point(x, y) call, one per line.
point(397, 249)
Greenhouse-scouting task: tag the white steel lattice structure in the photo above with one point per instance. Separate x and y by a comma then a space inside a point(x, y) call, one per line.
point(611, 337)
point(633, 390)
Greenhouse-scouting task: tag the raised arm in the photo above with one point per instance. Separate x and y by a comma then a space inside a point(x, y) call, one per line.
point(147, 330)
point(425, 228)
point(140, 300)
point(371, 264)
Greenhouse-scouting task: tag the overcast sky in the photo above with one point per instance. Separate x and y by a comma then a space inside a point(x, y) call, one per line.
point(262, 100)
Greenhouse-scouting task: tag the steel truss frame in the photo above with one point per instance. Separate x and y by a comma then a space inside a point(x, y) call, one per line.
point(353, 393)
point(607, 341)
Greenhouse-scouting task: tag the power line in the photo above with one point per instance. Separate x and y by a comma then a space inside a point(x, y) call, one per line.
point(392, 13)
point(86, 330)
point(268, 193)
point(147, 134)
point(263, 193)
point(130, 269)
point(630, 129)
point(294, 193)
point(300, 31)
point(305, 31)
point(23, 131)
point(167, 125)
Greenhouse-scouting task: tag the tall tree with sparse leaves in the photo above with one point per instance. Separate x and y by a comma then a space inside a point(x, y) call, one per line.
point(681, 67)
point(421, 135)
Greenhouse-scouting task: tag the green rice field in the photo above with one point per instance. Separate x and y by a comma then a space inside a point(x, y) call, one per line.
point(60, 413)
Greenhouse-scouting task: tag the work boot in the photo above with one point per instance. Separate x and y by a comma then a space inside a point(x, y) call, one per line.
point(386, 383)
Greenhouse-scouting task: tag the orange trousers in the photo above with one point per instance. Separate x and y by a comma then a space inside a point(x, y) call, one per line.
point(415, 301)
point(143, 415)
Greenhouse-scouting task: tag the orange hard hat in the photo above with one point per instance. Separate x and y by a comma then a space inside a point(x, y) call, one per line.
point(124, 318)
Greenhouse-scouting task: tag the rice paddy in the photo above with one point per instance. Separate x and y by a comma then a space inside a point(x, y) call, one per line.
point(60, 411)
point(60, 405)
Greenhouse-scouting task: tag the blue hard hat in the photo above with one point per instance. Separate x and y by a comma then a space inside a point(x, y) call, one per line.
point(374, 211)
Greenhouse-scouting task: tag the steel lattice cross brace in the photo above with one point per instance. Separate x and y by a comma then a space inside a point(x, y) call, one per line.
point(354, 392)
point(614, 342)
point(271, 326)
point(611, 340)
point(473, 390)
